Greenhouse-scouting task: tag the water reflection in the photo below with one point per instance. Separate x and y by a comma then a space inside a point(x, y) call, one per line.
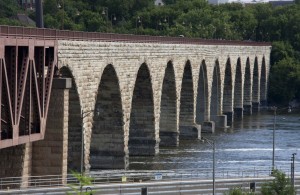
point(247, 144)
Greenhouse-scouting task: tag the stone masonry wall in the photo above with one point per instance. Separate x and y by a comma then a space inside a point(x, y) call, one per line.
point(49, 156)
point(87, 60)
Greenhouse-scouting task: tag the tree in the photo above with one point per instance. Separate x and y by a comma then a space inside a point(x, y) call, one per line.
point(284, 81)
point(281, 185)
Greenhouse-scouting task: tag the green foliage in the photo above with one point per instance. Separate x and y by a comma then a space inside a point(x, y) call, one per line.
point(239, 191)
point(281, 185)
point(284, 81)
point(191, 18)
point(83, 180)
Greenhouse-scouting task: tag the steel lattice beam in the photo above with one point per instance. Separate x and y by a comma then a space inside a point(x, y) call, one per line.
point(26, 73)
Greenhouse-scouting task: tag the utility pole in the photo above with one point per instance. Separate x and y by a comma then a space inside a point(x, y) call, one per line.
point(293, 169)
point(39, 14)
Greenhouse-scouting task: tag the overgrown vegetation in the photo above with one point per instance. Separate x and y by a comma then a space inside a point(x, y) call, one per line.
point(191, 18)
point(239, 191)
point(81, 185)
point(281, 185)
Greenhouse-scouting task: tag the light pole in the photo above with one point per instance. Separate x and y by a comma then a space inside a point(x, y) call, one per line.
point(63, 12)
point(213, 145)
point(293, 169)
point(274, 108)
point(105, 12)
point(83, 115)
point(137, 23)
point(113, 18)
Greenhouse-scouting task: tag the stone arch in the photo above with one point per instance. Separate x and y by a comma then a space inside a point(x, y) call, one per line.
point(107, 140)
point(247, 89)
point(215, 103)
point(227, 93)
point(74, 124)
point(141, 129)
point(186, 116)
point(168, 116)
point(263, 83)
point(202, 95)
point(255, 87)
point(238, 91)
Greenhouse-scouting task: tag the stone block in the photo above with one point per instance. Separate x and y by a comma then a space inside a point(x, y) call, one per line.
point(208, 126)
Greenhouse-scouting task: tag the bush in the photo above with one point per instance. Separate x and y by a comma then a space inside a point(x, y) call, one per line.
point(238, 191)
point(281, 185)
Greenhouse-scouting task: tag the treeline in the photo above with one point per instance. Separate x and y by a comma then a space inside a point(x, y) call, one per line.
point(189, 18)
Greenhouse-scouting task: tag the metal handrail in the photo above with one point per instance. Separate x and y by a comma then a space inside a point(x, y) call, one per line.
point(132, 176)
point(53, 34)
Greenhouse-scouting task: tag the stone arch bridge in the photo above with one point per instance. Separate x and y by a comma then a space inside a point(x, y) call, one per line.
point(124, 95)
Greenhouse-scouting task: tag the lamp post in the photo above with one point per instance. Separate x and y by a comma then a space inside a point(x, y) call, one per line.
point(293, 169)
point(137, 23)
point(113, 18)
point(213, 145)
point(63, 12)
point(83, 115)
point(274, 108)
point(167, 21)
point(105, 12)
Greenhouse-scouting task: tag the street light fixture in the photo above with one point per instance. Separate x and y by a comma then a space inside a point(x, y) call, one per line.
point(138, 22)
point(274, 108)
point(113, 18)
point(213, 145)
point(167, 21)
point(83, 115)
point(105, 12)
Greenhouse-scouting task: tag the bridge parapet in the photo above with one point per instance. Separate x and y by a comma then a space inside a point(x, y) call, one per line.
point(53, 34)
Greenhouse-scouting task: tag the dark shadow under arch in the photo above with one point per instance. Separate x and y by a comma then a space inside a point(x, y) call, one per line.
point(202, 96)
point(238, 91)
point(186, 116)
point(247, 102)
point(215, 94)
point(74, 124)
point(255, 87)
point(141, 131)
point(263, 84)
point(168, 126)
point(227, 94)
point(107, 140)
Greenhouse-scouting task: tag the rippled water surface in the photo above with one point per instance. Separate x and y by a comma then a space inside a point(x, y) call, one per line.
point(248, 144)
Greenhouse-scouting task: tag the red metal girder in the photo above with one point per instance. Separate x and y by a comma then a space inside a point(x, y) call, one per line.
point(8, 91)
point(37, 89)
point(1, 97)
point(28, 95)
point(21, 88)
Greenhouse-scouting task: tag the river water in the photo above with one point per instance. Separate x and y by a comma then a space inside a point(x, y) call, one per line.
point(247, 145)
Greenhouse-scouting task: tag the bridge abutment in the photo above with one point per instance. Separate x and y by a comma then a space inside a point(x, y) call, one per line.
point(208, 126)
point(238, 113)
point(49, 156)
point(230, 117)
point(221, 121)
point(169, 138)
point(247, 110)
point(255, 107)
point(190, 131)
point(15, 162)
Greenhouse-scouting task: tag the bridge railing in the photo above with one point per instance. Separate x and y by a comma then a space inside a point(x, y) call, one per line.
point(104, 177)
point(53, 34)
